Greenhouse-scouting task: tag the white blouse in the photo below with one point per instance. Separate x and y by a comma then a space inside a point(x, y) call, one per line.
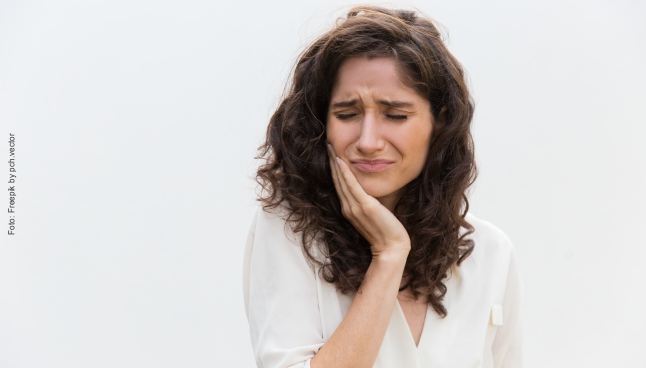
point(292, 311)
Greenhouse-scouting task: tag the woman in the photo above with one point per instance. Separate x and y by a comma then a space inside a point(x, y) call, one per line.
point(364, 254)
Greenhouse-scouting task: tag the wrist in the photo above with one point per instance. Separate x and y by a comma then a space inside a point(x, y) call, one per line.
point(392, 255)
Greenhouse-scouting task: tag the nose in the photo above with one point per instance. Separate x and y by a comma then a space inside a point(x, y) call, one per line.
point(370, 139)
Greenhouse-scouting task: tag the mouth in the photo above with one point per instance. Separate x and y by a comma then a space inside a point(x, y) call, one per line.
point(372, 165)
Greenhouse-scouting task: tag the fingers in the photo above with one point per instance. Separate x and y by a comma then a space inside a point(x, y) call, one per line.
point(336, 177)
point(347, 193)
point(371, 219)
point(347, 184)
point(351, 183)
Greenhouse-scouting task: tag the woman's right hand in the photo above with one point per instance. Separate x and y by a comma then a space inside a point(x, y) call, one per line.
point(375, 223)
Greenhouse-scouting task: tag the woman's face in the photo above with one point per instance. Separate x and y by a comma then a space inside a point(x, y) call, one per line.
point(380, 127)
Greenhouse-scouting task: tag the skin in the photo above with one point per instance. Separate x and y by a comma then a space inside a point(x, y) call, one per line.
point(366, 121)
point(373, 115)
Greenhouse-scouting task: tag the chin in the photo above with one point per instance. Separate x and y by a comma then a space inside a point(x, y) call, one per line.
point(378, 191)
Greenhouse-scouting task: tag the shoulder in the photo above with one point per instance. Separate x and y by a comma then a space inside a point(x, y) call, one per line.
point(273, 251)
point(272, 232)
point(490, 242)
point(273, 223)
point(488, 268)
point(487, 233)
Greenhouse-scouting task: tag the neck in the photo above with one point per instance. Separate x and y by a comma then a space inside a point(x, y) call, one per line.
point(390, 201)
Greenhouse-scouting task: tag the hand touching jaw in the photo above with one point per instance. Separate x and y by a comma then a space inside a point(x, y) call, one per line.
point(378, 126)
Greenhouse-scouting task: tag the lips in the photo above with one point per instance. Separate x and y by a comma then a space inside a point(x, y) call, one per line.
point(375, 165)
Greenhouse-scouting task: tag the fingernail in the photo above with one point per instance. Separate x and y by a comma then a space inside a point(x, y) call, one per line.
point(330, 150)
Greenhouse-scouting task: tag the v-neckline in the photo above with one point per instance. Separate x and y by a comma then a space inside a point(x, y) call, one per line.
point(410, 333)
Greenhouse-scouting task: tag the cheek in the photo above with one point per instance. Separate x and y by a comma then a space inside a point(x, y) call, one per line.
point(416, 148)
point(422, 136)
point(337, 137)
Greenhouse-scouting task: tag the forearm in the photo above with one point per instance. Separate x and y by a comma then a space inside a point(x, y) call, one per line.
point(356, 342)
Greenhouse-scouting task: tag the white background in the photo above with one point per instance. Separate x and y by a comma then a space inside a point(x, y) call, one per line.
point(136, 125)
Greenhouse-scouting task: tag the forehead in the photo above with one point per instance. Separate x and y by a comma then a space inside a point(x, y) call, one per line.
point(362, 69)
point(370, 75)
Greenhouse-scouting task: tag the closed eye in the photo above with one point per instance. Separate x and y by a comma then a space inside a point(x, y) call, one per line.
point(397, 117)
point(345, 116)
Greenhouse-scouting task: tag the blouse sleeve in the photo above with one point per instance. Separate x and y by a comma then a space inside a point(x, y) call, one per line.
point(507, 346)
point(280, 295)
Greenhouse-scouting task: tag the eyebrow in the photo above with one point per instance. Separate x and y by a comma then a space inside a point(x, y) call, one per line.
point(382, 102)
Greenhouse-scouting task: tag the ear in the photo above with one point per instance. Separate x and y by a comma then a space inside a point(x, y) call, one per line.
point(442, 118)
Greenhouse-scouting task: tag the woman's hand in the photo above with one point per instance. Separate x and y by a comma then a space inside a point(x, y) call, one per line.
point(376, 223)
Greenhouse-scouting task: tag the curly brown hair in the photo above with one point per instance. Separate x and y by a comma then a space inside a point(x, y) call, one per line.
point(296, 172)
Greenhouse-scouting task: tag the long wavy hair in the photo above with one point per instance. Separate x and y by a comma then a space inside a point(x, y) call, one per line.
point(296, 173)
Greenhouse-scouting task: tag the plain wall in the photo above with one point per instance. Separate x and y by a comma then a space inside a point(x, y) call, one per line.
point(136, 124)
